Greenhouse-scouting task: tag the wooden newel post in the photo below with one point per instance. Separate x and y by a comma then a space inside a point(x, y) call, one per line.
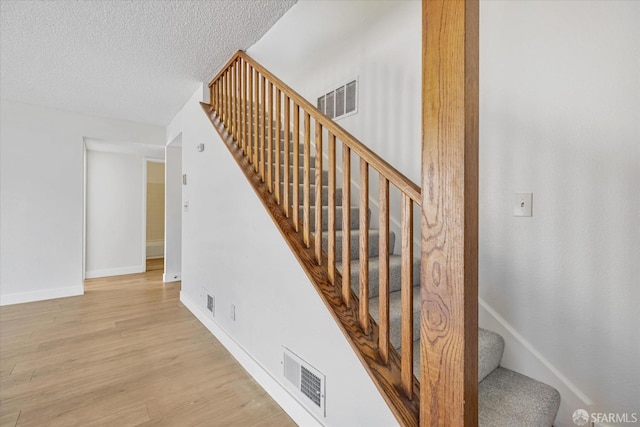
point(449, 276)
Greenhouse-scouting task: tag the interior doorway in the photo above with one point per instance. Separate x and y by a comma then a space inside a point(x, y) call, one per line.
point(115, 188)
point(154, 212)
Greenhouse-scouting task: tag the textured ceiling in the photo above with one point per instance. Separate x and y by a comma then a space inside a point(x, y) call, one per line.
point(137, 60)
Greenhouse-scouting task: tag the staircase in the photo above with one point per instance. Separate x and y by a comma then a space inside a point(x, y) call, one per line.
point(372, 289)
point(506, 398)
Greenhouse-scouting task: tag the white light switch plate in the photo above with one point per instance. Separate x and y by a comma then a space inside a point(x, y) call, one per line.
point(522, 204)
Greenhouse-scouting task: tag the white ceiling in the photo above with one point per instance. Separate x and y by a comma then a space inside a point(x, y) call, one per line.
point(137, 60)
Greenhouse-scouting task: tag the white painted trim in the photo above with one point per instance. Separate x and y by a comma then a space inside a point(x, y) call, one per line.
point(287, 402)
point(173, 277)
point(133, 269)
point(521, 356)
point(84, 208)
point(22, 297)
point(156, 248)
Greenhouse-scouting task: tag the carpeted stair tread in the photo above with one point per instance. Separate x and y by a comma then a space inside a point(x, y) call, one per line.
point(354, 223)
point(490, 349)
point(395, 320)
point(508, 399)
point(325, 174)
point(374, 244)
point(312, 194)
point(395, 273)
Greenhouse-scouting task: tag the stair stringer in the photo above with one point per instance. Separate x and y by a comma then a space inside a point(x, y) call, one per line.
point(386, 377)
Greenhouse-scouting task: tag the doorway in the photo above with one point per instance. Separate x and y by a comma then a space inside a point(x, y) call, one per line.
point(115, 190)
point(154, 214)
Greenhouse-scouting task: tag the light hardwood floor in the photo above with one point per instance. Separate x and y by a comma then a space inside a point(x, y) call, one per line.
point(127, 353)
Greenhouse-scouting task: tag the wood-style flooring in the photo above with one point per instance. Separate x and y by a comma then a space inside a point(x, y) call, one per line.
point(126, 353)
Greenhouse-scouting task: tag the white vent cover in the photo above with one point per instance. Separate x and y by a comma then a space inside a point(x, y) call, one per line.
point(340, 102)
point(306, 382)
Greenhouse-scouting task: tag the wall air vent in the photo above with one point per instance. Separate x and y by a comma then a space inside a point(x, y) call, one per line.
point(304, 381)
point(340, 102)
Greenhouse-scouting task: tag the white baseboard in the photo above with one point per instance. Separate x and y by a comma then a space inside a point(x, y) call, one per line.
point(22, 297)
point(287, 402)
point(155, 249)
point(521, 356)
point(92, 274)
point(171, 277)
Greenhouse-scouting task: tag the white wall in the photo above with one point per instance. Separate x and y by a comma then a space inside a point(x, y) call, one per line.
point(173, 210)
point(41, 196)
point(114, 214)
point(318, 45)
point(559, 117)
point(232, 248)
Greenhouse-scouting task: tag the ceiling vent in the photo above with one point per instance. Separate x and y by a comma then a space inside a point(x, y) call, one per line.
point(306, 382)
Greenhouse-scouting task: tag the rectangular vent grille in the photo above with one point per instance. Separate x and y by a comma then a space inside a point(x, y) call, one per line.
point(210, 303)
point(340, 102)
point(310, 385)
point(306, 382)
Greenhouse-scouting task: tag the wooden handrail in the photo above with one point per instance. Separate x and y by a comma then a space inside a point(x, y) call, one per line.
point(393, 175)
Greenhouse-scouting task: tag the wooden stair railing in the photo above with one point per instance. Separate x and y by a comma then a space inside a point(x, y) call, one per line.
point(259, 118)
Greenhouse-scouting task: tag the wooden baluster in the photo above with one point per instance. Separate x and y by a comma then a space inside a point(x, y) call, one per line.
point(383, 270)
point(243, 105)
point(318, 180)
point(270, 137)
point(236, 91)
point(221, 96)
point(222, 100)
point(227, 88)
point(406, 297)
point(277, 144)
point(363, 276)
point(250, 113)
point(232, 118)
point(256, 123)
point(306, 194)
point(286, 204)
point(234, 100)
point(296, 165)
point(346, 224)
point(262, 126)
point(247, 113)
point(331, 220)
point(212, 99)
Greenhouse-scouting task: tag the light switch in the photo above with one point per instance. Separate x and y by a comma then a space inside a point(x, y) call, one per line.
point(522, 204)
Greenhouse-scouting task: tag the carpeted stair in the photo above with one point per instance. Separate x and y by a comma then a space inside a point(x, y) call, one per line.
point(506, 398)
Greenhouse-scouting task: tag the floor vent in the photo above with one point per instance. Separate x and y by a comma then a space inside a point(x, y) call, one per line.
point(306, 382)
